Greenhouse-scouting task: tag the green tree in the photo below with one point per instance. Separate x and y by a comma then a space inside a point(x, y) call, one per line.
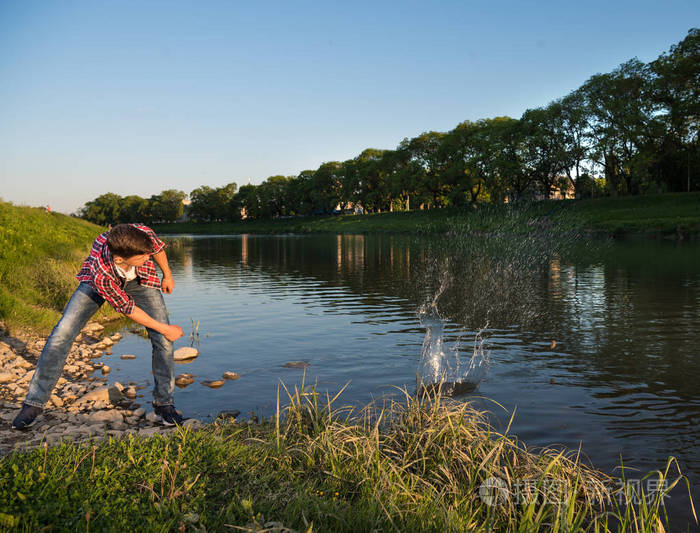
point(103, 210)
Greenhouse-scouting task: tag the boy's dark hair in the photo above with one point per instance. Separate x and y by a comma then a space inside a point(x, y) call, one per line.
point(127, 241)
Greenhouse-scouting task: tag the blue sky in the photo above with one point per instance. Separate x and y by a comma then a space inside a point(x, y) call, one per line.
point(138, 97)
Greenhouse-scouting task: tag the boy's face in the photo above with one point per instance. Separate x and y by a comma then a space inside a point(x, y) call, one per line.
point(134, 260)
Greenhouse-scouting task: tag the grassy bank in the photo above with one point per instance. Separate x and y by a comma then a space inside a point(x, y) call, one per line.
point(414, 465)
point(40, 254)
point(663, 215)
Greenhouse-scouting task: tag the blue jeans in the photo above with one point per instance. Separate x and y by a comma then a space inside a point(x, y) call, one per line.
point(83, 304)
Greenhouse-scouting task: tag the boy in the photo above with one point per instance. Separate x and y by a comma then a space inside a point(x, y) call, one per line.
point(119, 270)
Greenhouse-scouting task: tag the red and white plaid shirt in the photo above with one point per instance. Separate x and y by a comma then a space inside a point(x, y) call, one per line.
point(98, 270)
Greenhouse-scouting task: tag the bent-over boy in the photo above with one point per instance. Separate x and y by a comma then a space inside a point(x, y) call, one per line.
point(119, 270)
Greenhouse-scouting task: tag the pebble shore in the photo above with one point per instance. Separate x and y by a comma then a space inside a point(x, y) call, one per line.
point(83, 406)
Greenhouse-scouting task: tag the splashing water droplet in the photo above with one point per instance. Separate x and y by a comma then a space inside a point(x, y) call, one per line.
point(441, 365)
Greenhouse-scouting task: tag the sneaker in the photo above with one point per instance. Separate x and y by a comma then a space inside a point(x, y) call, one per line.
point(168, 415)
point(26, 417)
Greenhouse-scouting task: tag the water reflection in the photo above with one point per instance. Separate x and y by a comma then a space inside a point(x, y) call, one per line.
point(593, 344)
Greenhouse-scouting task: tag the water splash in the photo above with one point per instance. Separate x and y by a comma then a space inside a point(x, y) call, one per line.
point(444, 364)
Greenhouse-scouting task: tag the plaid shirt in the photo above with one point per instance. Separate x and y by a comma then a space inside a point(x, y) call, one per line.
point(98, 270)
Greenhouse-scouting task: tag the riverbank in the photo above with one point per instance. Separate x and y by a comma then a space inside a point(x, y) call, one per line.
point(40, 254)
point(664, 216)
point(83, 404)
point(420, 464)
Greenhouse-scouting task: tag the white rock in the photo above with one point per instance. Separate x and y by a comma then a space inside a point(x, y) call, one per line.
point(192, 423)
point(149, 432)
point(105, 416)
point(105, 394)
point(184, 353)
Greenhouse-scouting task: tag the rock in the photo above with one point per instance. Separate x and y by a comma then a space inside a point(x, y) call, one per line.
point(223, 415)
point(107, 342)
point(183, 380)
point(128, 356)
point(149, 432)
point(185, 353)
point(105, 370)
point(213, 383)
point(56, 400)
point(104, 394)
point(129, 392)
point(108, 351)
point(152, 417)
point(111, 415)
point(192, 423)
point(230, 375)
point(116, 337)
point(6, 377)
point(296, 364)
point(139, 412)
point(93, 327)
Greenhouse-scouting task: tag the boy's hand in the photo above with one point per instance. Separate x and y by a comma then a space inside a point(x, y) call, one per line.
point(167, 284)
point(173, 332)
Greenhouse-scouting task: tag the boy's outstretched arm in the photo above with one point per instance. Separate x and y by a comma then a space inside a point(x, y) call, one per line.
point(171, 332)
point(167, 284)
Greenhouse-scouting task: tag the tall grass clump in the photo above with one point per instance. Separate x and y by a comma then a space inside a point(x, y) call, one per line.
point(40, 254)
point(413, 464)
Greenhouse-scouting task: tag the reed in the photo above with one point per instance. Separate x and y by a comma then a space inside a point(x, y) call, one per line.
point(408, 463)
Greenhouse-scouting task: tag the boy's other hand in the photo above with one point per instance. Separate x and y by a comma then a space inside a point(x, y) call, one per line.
point(173, 332)
point(167, 284)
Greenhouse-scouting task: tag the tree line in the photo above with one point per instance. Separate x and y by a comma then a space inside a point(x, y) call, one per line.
point(630, 131)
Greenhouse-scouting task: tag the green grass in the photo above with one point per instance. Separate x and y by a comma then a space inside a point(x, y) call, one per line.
point(667, 214)
point(412, 465)
point(40, 254)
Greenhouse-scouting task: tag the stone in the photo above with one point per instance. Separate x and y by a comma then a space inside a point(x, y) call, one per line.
point(56, 400)
point(185, 353)
point(128, 356)
point(116, 337)
point(183, 380)
point(149, 432)
point(213, 383)
point(111, 415)
point(192, 423)
point(93, 327)
point(139, 412)
point(105, 394)
point(232, 414)
point(107, 342)
point(129, 392)
point(230, 375)
point(6, 377)
point(152, 417)
point(105, 370)
point(296, 364)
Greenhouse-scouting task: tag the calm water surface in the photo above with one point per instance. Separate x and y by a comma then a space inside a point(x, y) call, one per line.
point(620, 381)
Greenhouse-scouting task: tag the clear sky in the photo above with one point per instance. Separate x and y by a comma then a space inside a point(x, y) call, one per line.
point(138, 97)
